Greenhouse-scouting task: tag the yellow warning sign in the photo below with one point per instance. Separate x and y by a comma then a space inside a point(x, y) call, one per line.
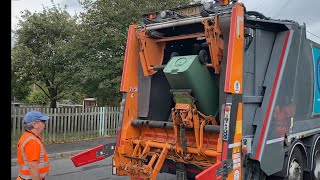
point(239, 127)
point(236, 150)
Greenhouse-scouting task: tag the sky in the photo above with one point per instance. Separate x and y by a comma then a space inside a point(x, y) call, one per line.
point(297, 10)
point(17, 6)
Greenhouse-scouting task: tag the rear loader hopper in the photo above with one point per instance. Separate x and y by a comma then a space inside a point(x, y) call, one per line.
point(212, 91)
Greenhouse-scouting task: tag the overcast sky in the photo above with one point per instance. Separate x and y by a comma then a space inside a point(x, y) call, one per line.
point(302, 11)
point(37, 5)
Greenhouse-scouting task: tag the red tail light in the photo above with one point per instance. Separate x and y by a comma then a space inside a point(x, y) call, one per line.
point(244, 150)
point(152, 15)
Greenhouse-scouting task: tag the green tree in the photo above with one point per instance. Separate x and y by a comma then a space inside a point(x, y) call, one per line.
point(37, 97)
point(43, 53)
point(103, 36)
point(19, 89)
point(76, 97)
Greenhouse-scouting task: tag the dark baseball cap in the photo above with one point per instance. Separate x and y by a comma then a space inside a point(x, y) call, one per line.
point(33, 116)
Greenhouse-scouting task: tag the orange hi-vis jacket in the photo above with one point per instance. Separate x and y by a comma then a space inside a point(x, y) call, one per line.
point(30, 148)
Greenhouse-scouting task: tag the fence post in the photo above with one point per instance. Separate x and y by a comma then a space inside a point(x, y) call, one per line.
point(50, 123)
point(54, 129)
point(70, 123)
point(106, 124)
point(96, 121)
point(64, 124)
point(77, 124)
point(14, 119)
point(109, 120)
point(101, 122)
point(91, 122)
point(117, 119)
point(113, 120)
point(46, 135)
point(58, 123)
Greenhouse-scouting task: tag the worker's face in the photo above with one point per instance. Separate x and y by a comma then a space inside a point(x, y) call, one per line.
point(40, 125)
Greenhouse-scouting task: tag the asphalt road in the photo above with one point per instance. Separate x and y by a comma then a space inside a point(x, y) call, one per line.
point(64, 169)
point(74, 146)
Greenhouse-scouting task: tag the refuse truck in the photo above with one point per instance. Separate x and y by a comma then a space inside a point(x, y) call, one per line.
point(213, 91)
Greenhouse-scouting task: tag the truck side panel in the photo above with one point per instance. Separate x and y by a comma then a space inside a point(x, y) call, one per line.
point(272, 146)
point(285, 110)
point(272, 82)
point(256, 60)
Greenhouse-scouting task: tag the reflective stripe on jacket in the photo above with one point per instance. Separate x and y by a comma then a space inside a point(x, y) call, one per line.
point(43, 161)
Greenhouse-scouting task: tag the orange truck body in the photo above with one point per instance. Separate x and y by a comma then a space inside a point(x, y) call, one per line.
point(212, 91)
point(205, 150)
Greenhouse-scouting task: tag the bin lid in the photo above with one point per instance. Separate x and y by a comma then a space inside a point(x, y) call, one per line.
point(179, 64)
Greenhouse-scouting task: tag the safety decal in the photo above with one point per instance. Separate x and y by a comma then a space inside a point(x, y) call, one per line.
point(236, 160)
point(238, 127)
point(236, 150)
point(316, 95)
point(236, 86)
point(236, 175)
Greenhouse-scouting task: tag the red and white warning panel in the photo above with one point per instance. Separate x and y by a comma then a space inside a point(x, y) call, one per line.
point(92, 155)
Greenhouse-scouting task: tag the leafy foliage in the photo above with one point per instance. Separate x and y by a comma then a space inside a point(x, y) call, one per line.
point(43, 51)
point(103, 36)
point(37, 97)
point(64, 55)
point(76, 97)
point(20, 89)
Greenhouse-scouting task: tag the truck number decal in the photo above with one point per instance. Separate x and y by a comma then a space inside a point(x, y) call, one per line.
point(226, 120)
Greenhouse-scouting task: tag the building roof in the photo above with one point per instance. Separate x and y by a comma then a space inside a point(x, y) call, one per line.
point(90, 99)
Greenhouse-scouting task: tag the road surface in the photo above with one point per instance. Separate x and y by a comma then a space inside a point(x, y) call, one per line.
point(101, 170)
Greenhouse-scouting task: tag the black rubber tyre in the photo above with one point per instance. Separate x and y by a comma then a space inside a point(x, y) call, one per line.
point(253, 171)
point(203, 56)
point(295, 165)
point(259, 175)
point(315, 172)
point(196, 48)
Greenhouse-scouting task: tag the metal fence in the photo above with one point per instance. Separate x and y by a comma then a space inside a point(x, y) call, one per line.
point(69, 124)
